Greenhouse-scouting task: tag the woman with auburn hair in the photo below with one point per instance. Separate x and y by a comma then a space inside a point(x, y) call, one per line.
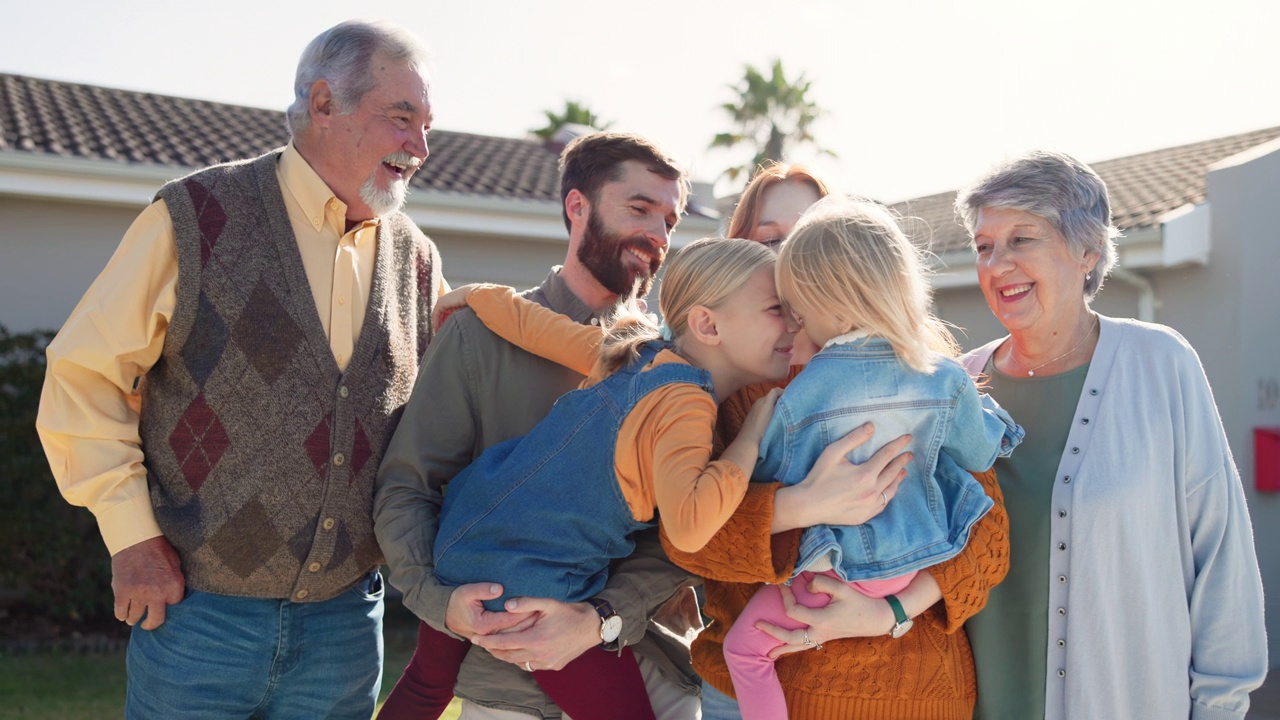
point(854, 657)
point(768, 209)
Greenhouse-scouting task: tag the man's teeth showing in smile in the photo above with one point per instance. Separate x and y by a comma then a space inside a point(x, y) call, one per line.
point(396, 168)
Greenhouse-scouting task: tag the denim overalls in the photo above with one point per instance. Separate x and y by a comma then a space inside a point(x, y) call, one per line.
point(544, 514)
point(953, 429)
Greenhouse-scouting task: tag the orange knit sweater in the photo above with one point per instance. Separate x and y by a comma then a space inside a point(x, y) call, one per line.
point(927, 673)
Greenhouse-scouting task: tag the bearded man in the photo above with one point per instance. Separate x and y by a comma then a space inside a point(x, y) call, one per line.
point(268, 317)
point(621, 198)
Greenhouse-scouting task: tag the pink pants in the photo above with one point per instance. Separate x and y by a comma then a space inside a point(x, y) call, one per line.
point(746, 648)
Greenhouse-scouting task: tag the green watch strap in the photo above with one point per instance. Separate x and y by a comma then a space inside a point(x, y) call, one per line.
point(899, 615)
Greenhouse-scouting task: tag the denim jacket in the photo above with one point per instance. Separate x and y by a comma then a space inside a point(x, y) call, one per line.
point(953, 429)
point(544, 514)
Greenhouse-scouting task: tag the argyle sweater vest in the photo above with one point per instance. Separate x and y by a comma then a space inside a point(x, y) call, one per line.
point(260, 453)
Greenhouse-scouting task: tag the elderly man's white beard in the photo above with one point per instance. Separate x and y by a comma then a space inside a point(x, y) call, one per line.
point(382, 201)
point(391, 199)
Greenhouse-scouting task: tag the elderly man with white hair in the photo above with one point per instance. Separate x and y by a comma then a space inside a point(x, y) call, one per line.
point(222, 396)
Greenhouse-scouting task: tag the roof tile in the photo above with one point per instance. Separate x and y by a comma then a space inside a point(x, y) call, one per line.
point(1142, 187)
point(86, 121)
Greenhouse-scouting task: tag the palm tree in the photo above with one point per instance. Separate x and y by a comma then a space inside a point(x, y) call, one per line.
point(574, 113)
point(771, 113)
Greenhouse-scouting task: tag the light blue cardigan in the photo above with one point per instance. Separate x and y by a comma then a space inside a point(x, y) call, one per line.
point(1155, 599)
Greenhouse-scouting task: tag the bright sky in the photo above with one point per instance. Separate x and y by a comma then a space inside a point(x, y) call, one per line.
point(921, 95)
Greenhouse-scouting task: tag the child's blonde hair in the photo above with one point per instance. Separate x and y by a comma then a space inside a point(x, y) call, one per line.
point(850, 259)
point(705, 272)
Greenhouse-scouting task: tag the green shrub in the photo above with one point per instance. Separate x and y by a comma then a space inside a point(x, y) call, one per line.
point(49, 550)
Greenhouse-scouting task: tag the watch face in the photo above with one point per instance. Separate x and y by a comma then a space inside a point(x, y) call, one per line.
point(610, 628)
point(901, 628)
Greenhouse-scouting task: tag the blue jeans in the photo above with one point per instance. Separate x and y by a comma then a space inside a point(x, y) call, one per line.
point(718, 706)
point(220, 657)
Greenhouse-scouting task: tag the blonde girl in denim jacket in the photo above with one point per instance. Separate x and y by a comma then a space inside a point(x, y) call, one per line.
point(858, 287)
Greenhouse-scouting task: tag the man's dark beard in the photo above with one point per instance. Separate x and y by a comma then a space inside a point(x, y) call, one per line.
point(601, 254)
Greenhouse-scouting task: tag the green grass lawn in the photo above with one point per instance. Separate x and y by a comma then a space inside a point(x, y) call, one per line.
point(65, 686)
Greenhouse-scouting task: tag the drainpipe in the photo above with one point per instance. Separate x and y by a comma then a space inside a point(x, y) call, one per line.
point(1146, 292)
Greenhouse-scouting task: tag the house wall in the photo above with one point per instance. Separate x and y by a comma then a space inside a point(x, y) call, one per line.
point(51, 251)
point(49, 254)
point(1231, 306)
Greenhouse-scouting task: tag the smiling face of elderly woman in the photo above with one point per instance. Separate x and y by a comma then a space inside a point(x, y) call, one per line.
point(1042, 232)
point(1029, 274)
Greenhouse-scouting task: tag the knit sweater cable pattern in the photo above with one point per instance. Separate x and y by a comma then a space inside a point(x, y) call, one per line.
point(927, 673)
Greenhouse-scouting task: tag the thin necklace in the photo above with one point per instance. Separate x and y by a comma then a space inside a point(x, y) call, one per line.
point(1032, 371)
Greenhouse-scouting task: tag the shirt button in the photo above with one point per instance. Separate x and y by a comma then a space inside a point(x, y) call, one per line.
point(328, 523)
point(1062, 578)
point(301, 594)
point(1066, 479)
point(1062, 673)
point(1062, 643)
point(314, 567)
point(1093, 391)
point(595, 321)
point(339, 458)
point(1062, 513)
point(1084, 421)
point(1075, 451)
point(1062, 611)
point(1062, 546)
point(343, 391)
point(342, 299)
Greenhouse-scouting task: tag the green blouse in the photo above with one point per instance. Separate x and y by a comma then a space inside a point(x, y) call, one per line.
point(1010, 635)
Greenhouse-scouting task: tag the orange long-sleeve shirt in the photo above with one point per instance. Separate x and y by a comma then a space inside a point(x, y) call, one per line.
point(663, 455)
point(927, 673)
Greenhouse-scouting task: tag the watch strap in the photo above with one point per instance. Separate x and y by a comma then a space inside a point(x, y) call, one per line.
point(610, 622)
point(899, 615)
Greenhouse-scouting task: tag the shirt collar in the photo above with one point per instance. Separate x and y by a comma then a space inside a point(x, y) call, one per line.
point(304, 184)
point(846, 338)
point(561, 299)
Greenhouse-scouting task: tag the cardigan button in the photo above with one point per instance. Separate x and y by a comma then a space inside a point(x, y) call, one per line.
point(314, 567)
point(328, 523)
point(339, 458)
point(343, 391)
point(301, 594)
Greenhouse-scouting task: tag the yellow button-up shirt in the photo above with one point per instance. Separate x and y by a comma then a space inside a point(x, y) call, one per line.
point(89, 407)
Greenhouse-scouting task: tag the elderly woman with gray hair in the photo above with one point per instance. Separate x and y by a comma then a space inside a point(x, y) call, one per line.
point(1133, 589)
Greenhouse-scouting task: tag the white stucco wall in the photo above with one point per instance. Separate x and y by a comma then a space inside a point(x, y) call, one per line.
point(51, 250)
point(1241, 346)
point(49, 254)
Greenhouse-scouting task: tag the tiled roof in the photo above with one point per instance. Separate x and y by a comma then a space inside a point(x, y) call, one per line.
point(86, 121)
point(1143, 187)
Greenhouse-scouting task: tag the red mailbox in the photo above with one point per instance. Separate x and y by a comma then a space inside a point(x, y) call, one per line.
point(1266, 459)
